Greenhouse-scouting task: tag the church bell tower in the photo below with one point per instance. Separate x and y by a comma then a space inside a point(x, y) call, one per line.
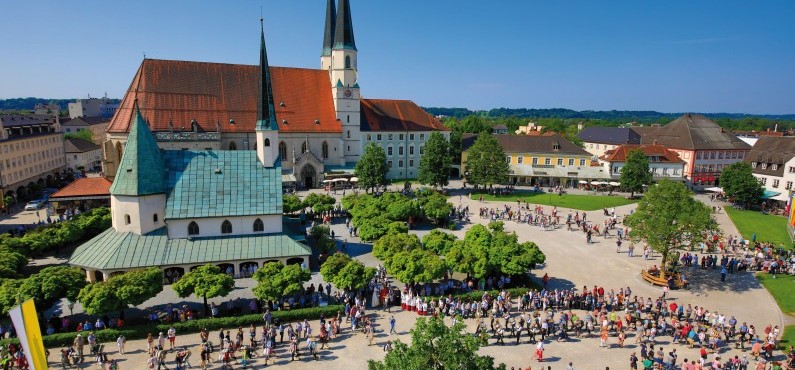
point(266, 129)
point(343, 72)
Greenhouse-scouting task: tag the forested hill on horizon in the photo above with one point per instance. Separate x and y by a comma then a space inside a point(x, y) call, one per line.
point(617, 115)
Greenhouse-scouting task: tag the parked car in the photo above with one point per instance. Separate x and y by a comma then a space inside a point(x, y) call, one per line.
point(34, 205)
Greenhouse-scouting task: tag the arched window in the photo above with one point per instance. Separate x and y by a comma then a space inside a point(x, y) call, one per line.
point(324, 149)
point(267, 142)
point(127, 220)
point(232, 145)
point(226, 227)
point(193, 228)
point(283, 150)
point(119, 152)
point(347, 62)
point(303, 147)
point(258, 226)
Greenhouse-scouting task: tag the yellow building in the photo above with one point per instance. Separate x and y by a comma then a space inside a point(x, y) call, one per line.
point(31, 154)
point(542, 160)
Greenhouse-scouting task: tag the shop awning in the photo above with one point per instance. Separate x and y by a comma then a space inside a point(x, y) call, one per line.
point(770, 194)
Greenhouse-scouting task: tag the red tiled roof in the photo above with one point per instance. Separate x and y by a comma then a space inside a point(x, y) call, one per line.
point(397, 115)
point(211, 93)
point(87, 186)
point(620, 153)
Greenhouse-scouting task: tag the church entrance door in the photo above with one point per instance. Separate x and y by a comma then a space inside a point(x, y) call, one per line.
point(308, 174)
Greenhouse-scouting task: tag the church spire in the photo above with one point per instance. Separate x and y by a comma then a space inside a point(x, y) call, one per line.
point(343, 31)
point(266, 113)
point(141, 169)
point(328, 34)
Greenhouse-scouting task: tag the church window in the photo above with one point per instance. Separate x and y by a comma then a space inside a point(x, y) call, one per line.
point(267, 142)
point(259, 226)
point(193, 228)
point(283, 150)
point(226, 227)
point(303, 147)
point(347, 62)
point(324, 149)
point(232, 145)
point(127, 220)
point(154, 217)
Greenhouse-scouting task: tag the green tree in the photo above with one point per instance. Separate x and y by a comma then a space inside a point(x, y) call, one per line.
point(46, 287)
point(436, 207)
point(79, 134)
point(438, 241)
point(485, 162)
point(740, 185)
point(292, 204)
point(207, 281)
point(319, 202)
point(435, 162)
point(455, 147)
point(333, 265)
point(415, 266)
point(635, 173)
point(353, 276)
point(669, 217)
point(390, 244)
point(11, 262)
point(131, 288)
point(275, 280)
point(371, 169)
point(485, 252)
point(436, 346)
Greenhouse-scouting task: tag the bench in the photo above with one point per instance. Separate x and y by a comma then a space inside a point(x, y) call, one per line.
point(658, 281)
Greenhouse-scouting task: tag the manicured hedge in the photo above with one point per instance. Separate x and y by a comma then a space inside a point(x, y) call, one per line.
point(188, 327)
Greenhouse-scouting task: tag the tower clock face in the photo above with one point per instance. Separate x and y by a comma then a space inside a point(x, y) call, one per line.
point(348, 93)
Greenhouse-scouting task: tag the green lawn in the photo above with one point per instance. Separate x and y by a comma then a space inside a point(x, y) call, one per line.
point(768, 228)
point(788, 339)
point(573, 201)
point(781, 288)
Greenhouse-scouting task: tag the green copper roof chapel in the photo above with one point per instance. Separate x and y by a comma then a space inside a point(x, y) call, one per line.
point(266, 113)
point(343, 32)
point(141, 170)
point(328, 34)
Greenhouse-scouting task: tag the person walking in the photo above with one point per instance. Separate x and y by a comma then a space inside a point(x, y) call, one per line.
point(79, 342)
point(120, 341)
point(172, 336)
point(392, 325)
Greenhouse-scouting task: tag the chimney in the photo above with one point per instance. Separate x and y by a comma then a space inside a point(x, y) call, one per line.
point(654, 142)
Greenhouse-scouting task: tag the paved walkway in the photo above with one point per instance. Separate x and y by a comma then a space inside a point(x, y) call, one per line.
point(571, 263)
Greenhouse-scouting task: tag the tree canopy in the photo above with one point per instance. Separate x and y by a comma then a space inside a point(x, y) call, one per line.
point(436, 346)
point(485, 162)
point(438, 241)
point(669, 217)
point(292, 204)
point(275, 280)
point(371, 169)
point(131, 288)
point(46, 288)
point(319, 202)
point(740, 185)
point(435, 161)
point(207, 281)
point(485, 252)
point(635, 173)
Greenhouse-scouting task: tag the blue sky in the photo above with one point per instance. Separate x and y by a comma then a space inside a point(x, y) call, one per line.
point(671, 56)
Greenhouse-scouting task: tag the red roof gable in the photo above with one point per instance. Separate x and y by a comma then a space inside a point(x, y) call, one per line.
point(620, 153)
point(397, 115)
point(87, 186)
point(213, 93)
